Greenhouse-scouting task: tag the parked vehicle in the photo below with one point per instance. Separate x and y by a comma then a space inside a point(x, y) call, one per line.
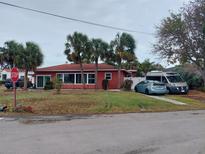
point(151, 87)
point(19, 84)
point(173, 81)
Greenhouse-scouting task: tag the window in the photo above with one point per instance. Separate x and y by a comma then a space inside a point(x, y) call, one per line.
point(91, 78)
point(4, 76)
point(164, 80)
point(60, 77)
point(69, 78)
point(154, 78)
point(108, 76)
point(78, 78)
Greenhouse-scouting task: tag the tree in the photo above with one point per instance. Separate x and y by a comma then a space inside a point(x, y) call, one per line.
point(29, 59)
point(9, 53)
point(147, 66)
point(122, 46)
point(77, 50)
point(98, 51)
point(181, 36)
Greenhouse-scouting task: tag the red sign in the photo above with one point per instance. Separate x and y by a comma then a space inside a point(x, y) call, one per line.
point(14, 74)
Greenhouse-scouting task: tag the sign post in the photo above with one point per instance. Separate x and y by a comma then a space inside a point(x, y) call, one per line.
point(14, 78)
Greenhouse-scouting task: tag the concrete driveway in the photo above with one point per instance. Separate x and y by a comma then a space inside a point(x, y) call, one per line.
point(138, 133)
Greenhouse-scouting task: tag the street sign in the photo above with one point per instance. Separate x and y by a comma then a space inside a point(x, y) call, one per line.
point(14, 78)
point(14, 74)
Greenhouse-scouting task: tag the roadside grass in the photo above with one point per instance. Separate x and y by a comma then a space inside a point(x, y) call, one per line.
point(92, 102)
point(194, 103)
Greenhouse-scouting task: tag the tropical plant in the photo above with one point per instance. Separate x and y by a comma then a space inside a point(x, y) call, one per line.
point(98, 51)
point(122, 46)
point(29, 59)
point(9, 53)
point(181, 36)
point(77, 50)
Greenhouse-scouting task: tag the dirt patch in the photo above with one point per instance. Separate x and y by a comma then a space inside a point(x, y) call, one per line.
point(197, 95)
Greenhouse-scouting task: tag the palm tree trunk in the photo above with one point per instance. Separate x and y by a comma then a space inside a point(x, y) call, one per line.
point(119, 76)
point(96, 74)
point(25, 79)
point(203, 75)
point(82, 74)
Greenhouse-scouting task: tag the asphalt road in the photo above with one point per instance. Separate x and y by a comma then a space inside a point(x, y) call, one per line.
point(140, 133)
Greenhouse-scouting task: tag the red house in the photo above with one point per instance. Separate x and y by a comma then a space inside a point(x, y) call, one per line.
point(70, 75)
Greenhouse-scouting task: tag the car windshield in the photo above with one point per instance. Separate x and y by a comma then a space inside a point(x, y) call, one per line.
point(174, 79)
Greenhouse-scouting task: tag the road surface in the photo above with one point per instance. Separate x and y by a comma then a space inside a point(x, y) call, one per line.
point(136, 133)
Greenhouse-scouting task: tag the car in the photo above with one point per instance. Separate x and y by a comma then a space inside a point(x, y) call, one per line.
point(151, 87)
point(19, 84)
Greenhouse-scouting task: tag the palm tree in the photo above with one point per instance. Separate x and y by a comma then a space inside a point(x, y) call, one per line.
point(98, 50)
point(9, 53)
point(77, 50)
point(122, 46)
point(29, 59)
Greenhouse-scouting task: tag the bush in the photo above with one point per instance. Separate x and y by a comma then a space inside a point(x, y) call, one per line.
point(105, 84)
point(49, 85)
point(58, 85)
point(2, 82)
point(127, 85)
point(202, 89)
point(194, 81)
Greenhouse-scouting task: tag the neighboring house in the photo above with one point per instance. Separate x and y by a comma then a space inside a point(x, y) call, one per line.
point(6, 74)
point(70, 75)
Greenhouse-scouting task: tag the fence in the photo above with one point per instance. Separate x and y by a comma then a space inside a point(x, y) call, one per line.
point(135, 80)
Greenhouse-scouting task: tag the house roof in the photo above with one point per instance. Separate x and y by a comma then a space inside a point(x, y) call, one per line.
point(76, 67)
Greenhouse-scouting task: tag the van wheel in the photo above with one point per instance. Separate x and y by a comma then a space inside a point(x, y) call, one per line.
point(147, 91)
point(136, 89)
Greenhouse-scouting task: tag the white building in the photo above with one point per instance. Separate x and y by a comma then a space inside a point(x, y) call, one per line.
point(6, 74)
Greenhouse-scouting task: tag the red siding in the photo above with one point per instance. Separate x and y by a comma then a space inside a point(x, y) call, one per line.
point(113, 83)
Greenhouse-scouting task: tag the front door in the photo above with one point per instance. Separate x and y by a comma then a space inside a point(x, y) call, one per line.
point(41, 80)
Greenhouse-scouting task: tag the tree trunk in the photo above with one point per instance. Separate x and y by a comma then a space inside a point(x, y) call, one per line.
point(203, 75)
point(119, 76)
point(82, 75)
point(25, 79)
point(96, 74)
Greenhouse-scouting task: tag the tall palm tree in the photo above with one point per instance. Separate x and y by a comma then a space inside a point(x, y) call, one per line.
point(98, 50)
point(122, 44)
point(10, 52)
point(77, 49)
point(29, 59)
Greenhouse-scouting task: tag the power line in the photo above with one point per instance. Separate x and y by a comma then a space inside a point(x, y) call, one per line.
point(74, 19)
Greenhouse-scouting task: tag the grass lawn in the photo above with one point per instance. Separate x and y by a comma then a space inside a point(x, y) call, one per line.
point(91, 102)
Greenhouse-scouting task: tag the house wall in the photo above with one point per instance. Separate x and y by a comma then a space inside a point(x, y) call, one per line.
point(21, 74)
point(113, 83)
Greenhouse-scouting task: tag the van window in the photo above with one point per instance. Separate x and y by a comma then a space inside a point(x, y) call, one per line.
point(175, 79)
point(154, 78)
point(164, 80)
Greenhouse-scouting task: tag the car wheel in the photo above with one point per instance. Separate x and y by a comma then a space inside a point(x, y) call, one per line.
point(136, 90)
point(147, 91)
point(169, 91)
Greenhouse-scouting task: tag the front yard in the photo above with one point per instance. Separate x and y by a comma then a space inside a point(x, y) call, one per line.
point(92, 102)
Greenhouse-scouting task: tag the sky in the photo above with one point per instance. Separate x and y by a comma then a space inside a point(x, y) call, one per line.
point(50, 32)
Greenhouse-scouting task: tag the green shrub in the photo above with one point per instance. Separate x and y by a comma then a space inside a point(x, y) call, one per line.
point(202, 89)
point(58, 85)
point(105, 84)
point(2, 82)
point(49, 85)
point(127, 84)
point(194, 81)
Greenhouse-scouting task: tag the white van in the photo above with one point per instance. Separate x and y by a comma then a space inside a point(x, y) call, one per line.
point(173, 81)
